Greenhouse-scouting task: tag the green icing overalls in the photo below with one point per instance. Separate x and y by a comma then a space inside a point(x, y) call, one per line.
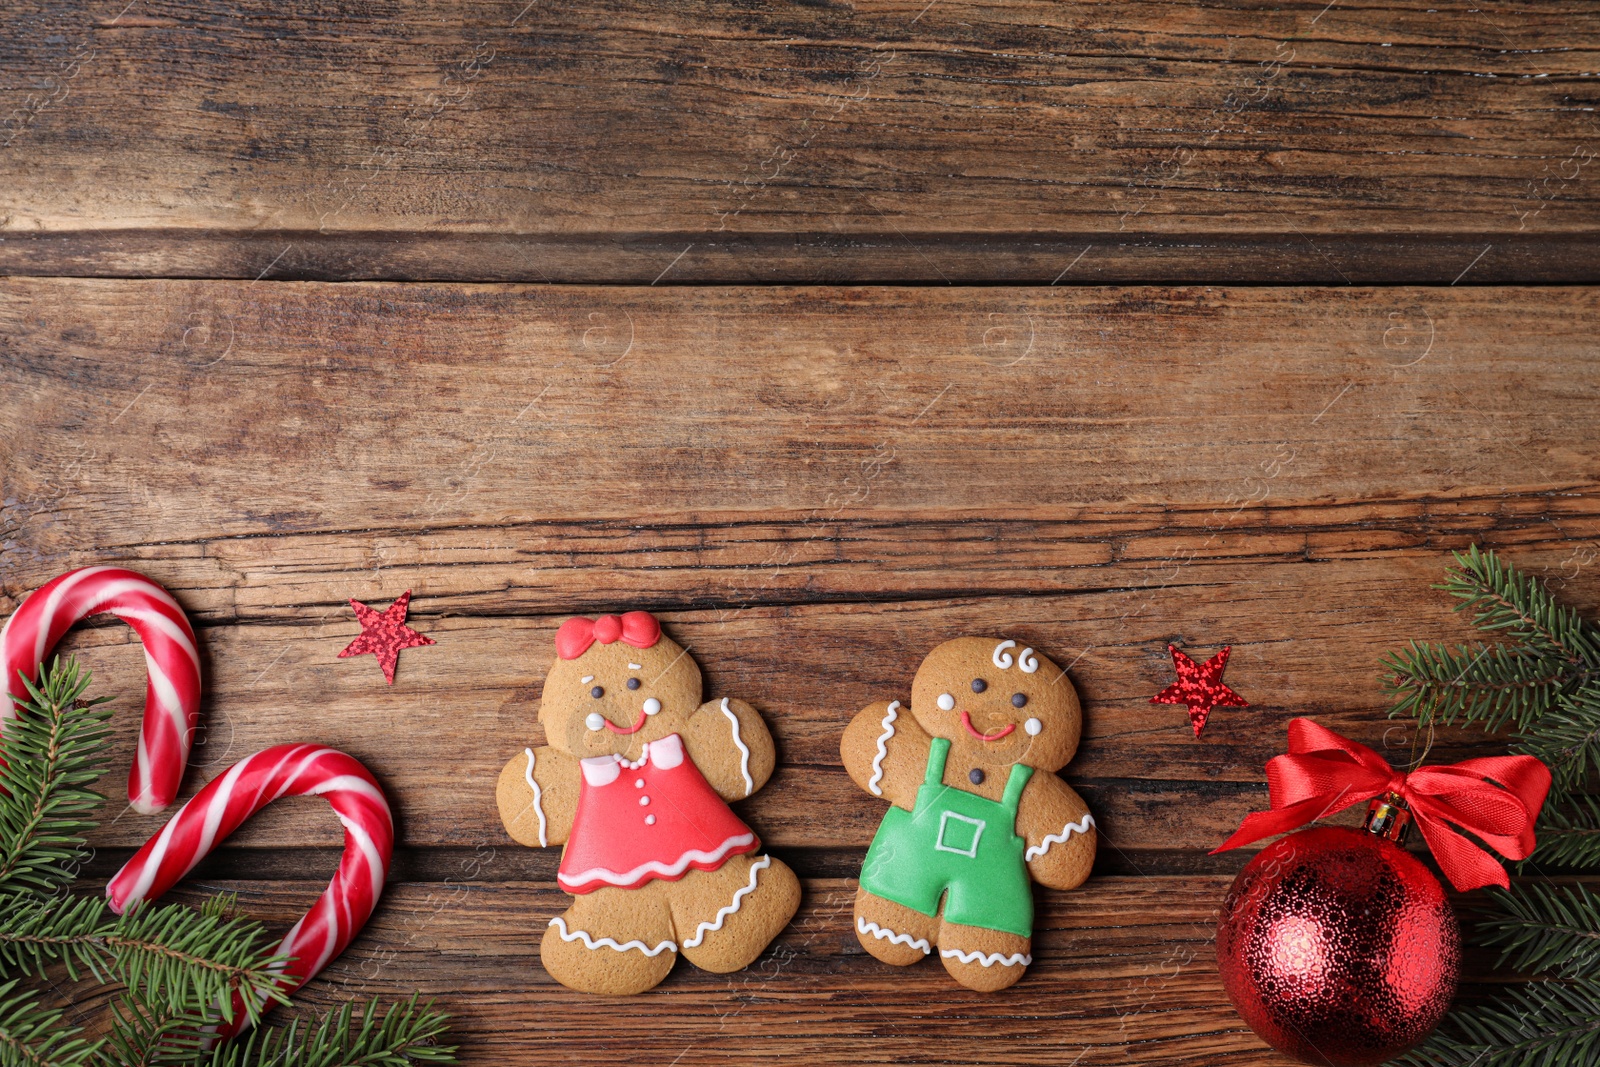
point(958, 845)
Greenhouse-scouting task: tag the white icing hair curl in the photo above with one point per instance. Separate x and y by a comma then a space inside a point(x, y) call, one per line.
point(1025, 659)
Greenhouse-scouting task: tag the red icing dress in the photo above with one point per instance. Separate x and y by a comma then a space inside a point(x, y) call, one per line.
point(656, 818)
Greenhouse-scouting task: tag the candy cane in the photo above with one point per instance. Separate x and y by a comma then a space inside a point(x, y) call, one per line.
point(172, 699)
point(239, 792)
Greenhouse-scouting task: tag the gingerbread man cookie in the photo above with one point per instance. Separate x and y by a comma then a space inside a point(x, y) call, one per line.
point(635, 782)
point(978, 813)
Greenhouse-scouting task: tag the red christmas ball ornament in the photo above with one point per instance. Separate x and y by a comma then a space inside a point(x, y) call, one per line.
point(1338, 947)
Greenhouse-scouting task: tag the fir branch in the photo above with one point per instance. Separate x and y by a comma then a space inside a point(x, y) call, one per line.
point(1543, 1024)
point(144, 1034)
point(32, 1036)
point(1569, 836)
point(190, 961)
point(37, 931)
point(1544, 928)
point(180, 960)
point(1488, 684)
point(1519, 606)
point(52, 752)
point(1567, 739)
point(405, 1034)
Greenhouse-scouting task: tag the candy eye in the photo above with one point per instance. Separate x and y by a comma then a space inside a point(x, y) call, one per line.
point(633, 683)
point(946, 702)
point(1019, 700)
point(597, 692)
point(979, 685)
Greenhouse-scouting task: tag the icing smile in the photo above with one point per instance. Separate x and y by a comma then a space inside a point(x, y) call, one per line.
point(635, 728)
point(966, 720)
point(596, 721)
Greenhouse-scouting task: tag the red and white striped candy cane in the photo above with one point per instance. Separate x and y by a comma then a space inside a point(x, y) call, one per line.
point(239, 792)
point(172, 699)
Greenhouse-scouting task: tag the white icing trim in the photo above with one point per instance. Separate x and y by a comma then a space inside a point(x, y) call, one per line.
point(883, 749)
point(1079, 827)
point(988, 959)
point(665, 752)
point(744, 753)
point(890, 936)
point(528, 776)
point(606, 942)
point(722, 914)
point(1027, 661)
point(1001, 657)
point(656, 867)
point(600, 770)
point(636, 666)
point(586, 679)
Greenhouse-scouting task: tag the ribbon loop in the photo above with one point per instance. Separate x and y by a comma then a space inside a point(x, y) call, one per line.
point(1496, 799)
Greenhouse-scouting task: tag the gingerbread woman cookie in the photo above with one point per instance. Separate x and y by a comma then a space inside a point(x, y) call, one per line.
point(635, 782)
point(978, 813)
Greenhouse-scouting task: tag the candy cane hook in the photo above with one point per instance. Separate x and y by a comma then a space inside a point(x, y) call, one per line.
point(172, 698)
point(241, 791)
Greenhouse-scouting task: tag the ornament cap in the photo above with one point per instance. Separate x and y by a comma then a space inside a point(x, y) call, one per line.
point(1389, 817)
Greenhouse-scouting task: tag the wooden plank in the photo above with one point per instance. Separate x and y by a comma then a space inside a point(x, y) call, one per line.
point(273, 409)
point(882, 140)
point(735, 561)
point(1124, 970)
point(1121, 964)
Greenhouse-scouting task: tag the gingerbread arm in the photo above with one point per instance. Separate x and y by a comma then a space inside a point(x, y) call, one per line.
point(886, 752)
point(730, 743)
point(1059, 831)
point(538, 796)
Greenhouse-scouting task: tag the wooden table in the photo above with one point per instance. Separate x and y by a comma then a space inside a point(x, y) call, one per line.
point(826, 332)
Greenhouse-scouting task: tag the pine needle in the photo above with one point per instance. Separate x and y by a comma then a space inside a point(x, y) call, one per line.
point(1569, 835)
point(405, 1034)
point(1567, 740)
point(32, 1036)
point(1543, 1024)
point(1548, 655)
point(1544, 928)
point(52, 753)
point(1518, 605)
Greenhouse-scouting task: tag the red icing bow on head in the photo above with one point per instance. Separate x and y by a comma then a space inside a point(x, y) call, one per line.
point(1495, 799)
point(638, 628)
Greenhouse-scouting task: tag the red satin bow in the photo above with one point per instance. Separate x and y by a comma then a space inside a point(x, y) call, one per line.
point(1496, 799)
point(637, 628)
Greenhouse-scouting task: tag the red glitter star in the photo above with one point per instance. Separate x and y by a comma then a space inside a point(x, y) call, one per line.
point(1200, 687)
point(384, 634)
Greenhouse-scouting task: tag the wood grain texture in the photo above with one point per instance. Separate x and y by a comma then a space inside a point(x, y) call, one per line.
point(812, 487)
point(380, 406)
point(1300, 143)
point(1123, 965)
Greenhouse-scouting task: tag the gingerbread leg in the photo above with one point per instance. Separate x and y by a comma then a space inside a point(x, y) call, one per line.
point(892, 932)
point(615, 941)
point(727, 917)
point(985, 960)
